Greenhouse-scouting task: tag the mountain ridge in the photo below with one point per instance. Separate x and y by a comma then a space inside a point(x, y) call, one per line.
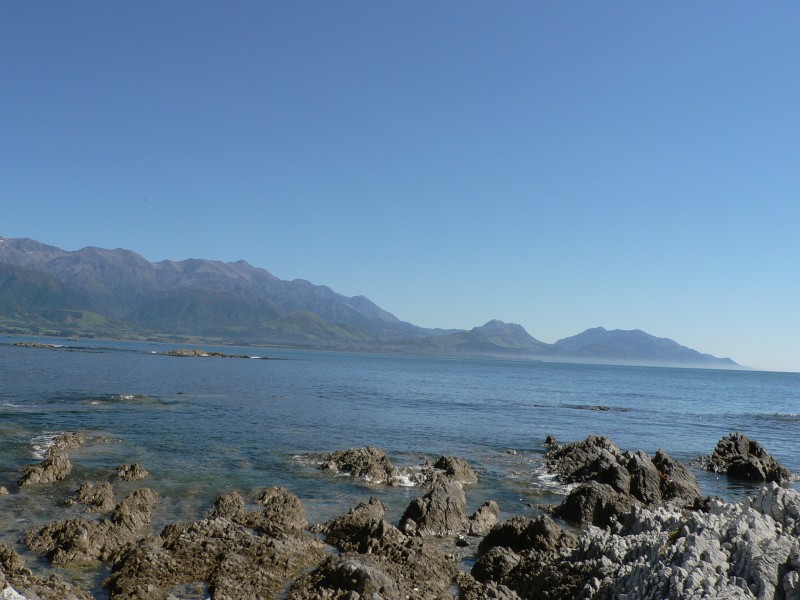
point(118, 293)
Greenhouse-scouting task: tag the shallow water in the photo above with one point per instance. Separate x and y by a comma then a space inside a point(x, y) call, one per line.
point(204, 426)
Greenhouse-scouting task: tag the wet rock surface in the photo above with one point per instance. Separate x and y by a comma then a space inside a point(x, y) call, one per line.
point(56, 465)
point(370, 464)
point(82, 540)
point(95, 496)
point(742, 458)
point(132, 472)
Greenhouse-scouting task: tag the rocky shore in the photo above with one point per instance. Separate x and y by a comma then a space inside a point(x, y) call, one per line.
point(631, 527)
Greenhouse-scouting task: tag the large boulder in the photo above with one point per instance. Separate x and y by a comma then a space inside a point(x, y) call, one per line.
point(743, 458)
point(369, 464)
point(483, 519)
point(611, 481)
point(53, 468)
point(95, 496)
point(455, 468)
point(349, 532)
point(132, 472)
point(440, 512)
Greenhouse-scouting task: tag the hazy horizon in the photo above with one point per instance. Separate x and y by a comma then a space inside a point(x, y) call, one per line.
point(561, 166)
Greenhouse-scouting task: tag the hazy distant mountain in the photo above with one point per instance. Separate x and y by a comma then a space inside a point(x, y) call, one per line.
point(495, 338)
point(599, 344)
point(194, 297)
point(118, 293)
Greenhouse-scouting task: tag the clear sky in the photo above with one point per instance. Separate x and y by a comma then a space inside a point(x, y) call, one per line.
point(561, 165)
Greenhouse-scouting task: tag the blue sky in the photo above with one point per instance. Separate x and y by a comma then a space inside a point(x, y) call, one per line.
point(561, 165)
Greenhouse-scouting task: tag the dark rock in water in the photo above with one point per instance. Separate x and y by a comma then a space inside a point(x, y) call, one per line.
point(612, 481)
point(570, 461)
point(282, 512)
point(483, 519)
point(742, 458)
point(133, 472)
point(370, 464)
point(440, 512)
point(457, 469)
point(678, 484)
point(14, 574)
point(350, 532)
point(81, 541)
point(66, 441)
point(227, 553)
point(56, 465)
point(96, 496)
point(53, 468)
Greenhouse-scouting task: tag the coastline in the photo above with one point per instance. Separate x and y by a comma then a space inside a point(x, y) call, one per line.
point(667, 540)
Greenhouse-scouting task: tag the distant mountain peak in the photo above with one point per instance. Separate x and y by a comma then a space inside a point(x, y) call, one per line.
point(119, 293)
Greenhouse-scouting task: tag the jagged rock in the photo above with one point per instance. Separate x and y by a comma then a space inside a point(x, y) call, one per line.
point(349, 576)
point(56, 465)
point(4, 491)
point(53, 468)
point(349, 532)
point(229, 506)
point(96, 496)
point(370, 464)
point(236, 560)
point(133, 472)
point(472, 589)
point(440, 512)
point(746, 550)
point(403, 566)
point(569, 461)
point(519, 533)
point(282, 511)
point(66, 441)
point(81, 541)
point(594, 503)
point(742, 458)
point(483, 519)
point(611, 481)
point(17, 578)
point(456, 469)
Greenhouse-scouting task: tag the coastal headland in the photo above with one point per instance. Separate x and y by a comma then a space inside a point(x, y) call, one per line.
point(631, 526)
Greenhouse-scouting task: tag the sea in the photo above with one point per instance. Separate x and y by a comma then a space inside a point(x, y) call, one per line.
point(204, 426)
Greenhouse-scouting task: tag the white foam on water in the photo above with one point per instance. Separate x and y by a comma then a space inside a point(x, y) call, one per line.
point(41, 443)
point(549, 481)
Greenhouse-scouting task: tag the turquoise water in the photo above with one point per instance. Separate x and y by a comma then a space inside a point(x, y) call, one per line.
point(204, 426)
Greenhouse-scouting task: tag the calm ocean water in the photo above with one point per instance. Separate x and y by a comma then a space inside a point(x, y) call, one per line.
point(204, 426)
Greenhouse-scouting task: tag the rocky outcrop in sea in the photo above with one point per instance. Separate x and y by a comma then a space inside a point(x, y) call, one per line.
point(743, 458)
point(647, 534)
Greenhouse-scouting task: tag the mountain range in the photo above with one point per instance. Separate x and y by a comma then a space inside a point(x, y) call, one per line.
point(95, 292)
